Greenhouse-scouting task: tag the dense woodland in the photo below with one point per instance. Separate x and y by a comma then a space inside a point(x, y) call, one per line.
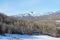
point(40, 25)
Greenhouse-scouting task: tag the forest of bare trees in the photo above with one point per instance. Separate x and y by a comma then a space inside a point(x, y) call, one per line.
point(19, 26)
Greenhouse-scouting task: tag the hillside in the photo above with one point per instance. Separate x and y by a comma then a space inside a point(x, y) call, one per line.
point(45, 24)
point(15, 25)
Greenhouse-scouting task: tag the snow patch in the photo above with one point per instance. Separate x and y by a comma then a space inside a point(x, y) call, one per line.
point(28, 37)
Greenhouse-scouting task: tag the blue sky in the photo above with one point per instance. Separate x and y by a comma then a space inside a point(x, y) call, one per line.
point(12, 7)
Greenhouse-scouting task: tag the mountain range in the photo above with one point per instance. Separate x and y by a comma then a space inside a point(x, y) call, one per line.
point(30, 16)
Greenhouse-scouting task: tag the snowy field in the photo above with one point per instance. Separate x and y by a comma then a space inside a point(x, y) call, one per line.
point(27, 37)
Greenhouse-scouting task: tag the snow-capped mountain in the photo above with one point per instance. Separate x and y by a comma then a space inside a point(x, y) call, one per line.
point(25, 14)
point(34, 16)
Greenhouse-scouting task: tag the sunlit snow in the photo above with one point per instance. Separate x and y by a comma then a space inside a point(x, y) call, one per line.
point(28, 37)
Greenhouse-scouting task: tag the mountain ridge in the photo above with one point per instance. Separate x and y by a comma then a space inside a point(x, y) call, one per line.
point(30, 16)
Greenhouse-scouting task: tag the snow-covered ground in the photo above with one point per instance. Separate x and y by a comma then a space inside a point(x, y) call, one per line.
point(43, 37)
point(28, 37)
